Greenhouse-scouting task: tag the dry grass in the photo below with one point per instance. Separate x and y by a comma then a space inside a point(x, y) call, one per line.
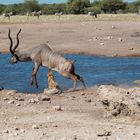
point(71, 18)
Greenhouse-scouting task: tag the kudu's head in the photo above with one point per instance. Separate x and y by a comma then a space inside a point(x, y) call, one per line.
point(14, 58)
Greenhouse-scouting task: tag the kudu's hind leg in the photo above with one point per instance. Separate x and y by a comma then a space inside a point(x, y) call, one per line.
point(73, 77)
point(33, 79)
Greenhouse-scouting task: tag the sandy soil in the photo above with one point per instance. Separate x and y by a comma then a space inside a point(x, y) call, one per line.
point(75, 115)
point(110, 38)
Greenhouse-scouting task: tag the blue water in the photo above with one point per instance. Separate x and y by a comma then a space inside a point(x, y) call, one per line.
point(95, 70)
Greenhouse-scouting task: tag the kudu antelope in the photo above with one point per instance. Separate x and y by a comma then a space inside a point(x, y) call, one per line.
point(92, 14)
point(8, 15)
point(37, 14)
point(43, 55)
point(59, 14)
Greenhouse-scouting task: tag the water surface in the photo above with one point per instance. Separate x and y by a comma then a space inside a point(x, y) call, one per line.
point(95, 70)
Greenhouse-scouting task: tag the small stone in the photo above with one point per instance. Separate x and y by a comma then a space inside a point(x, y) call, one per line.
point(74, 137)
point(18, 104)
point(33, 100)
point(120, 127)
point(5, 98)
point(95, 38)
point(82, 93)
point(22, 131)
point(16, 128)
point(35, 127)
point(133, 133)
point(120, 39)
point(101, 44)
point(55, 125)
point(58, 108)
point(113, 27)
point(6, 131)
point(131, 49)
point(16, 134)
point(106, 133)
point(20, 99)
point(138, 103)
point(45, 98)
point(88, 100)
point(15, 117)
point(11, 102)
point(73, 97)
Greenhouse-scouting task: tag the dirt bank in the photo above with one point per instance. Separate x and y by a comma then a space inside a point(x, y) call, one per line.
point(77, 115)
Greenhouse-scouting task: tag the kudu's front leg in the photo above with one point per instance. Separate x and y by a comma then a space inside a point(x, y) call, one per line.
point(34, 72)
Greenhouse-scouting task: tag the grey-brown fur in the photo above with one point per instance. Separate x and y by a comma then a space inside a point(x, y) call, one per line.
point(92, 14)
point(37, 14)
point(43, 55)
point(8, 15)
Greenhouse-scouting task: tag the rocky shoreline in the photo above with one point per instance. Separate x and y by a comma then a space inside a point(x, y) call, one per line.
point(105, 111)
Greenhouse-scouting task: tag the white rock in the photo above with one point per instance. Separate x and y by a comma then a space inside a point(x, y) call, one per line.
point(18, 104)
point(35, 127)
point(33, 100)
point(113, 27)
point(120, 127)
point(58, 108)
point(11, 102)
point(95, 38)
point(6, 131)
point(5, 98)
point(16, 134)
point(15, 117)
point(120, 39)
point(82, 93)
point(22, 131)
point(101, 43)
point(45, 98)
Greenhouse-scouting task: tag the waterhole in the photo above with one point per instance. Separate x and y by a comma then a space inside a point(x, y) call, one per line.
point(95, 71)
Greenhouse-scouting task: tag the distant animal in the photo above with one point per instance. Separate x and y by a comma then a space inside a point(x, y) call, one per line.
point(8, 15)
point(37, 14)
point(92, 14)
point(59, 14)
point(43, 55)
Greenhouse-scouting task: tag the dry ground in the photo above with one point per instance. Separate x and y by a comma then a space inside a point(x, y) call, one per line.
point(25, 116)
point(69, 116)
point(99, 37)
